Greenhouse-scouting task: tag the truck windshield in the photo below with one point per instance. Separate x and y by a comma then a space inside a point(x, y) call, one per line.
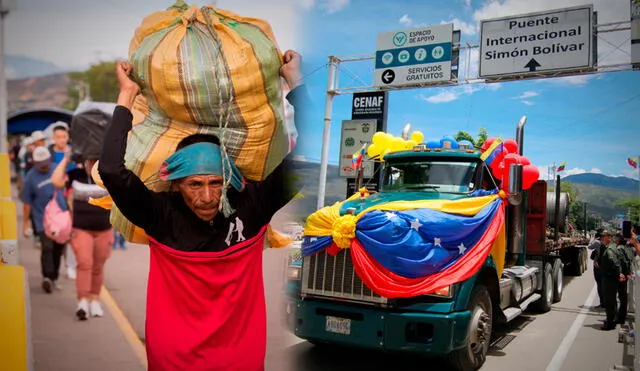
point(433, 176)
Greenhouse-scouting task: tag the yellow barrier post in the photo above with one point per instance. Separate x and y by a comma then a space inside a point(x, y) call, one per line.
point(8, 216)
point(16, 351)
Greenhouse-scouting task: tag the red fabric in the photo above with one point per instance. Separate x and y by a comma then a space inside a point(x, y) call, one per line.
point(390, 285)
point(333, 249)
point(206, 310)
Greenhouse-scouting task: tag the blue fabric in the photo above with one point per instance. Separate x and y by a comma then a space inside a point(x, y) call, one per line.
point(200, 159)
point(482, 192)
point(312, 245)
point(390, 239)
point(57, 158)
point(37, 192)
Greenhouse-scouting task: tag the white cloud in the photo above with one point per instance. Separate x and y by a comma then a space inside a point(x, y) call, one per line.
point(406, 21)
point(527, 94)
point(466, 28)
point(442, 97)
point(528, 102)
point(595, 170)
point(580, 80)
point(446, 95)
point(630, 173)
point(493, 87)
point(333, 6)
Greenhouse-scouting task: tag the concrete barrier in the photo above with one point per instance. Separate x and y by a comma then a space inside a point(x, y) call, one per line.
point(16, 351)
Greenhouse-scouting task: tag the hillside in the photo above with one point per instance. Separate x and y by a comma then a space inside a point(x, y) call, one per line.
point(618, 183)
point(36, 92)
point(19, 67)
point(601, 199)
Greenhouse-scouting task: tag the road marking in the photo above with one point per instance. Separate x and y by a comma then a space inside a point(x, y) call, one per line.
point(563, 350)
point(125, 327)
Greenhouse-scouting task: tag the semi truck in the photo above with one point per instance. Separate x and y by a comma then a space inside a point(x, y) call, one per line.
point(328, 303)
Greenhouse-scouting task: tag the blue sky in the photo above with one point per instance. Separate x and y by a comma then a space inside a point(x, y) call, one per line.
point(587, 121)
point(591, 122)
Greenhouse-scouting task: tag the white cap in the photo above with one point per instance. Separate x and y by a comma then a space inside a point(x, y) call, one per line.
point(37, 135)
point(60, 123)
point(41, 154)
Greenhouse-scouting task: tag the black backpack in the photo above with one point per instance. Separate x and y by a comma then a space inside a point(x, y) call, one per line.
point(87, 131)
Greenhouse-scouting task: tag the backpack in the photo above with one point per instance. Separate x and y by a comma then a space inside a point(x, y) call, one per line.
point(57, 222)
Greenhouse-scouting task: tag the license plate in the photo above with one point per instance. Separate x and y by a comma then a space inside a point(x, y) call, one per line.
point(338, 325)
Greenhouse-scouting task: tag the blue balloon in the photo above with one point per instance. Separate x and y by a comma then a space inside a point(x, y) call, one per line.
point(433, 144)
point(453, 145)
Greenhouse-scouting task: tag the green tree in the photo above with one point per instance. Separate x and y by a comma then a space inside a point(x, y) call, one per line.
point(633, 205)
point(101, 82)
point(477, 142)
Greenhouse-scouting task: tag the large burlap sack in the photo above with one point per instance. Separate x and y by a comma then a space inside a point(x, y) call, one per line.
point(204, 70)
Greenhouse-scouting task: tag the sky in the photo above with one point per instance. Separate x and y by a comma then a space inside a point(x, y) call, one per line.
point(75, 33)
point(588, 121)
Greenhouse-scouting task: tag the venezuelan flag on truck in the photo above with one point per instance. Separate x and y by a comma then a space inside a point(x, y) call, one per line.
point(633, 162)
point(408, 248)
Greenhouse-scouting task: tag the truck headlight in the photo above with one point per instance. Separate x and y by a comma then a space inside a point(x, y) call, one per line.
point(294, 273)
point(445, 291)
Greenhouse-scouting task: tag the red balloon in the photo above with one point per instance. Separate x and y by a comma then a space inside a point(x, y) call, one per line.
point(530, 175)
point(497, 169)
point(509, 160)
point(487, 143)
point(511, 146)
point(524, 161)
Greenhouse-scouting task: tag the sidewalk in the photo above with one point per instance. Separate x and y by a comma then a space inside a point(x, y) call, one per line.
point(60, 341)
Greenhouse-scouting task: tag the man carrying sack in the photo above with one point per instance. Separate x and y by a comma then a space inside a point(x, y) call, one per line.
point(205, 301)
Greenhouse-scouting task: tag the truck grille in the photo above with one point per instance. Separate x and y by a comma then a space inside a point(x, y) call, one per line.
point(334, 276)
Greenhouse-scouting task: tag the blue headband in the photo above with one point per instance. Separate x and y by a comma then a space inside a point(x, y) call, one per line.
point(201, 159)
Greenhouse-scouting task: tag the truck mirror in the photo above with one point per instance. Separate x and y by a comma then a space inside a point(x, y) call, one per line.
point(515, 179)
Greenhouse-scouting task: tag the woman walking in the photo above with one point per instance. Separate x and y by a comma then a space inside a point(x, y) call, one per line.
point(92, 234)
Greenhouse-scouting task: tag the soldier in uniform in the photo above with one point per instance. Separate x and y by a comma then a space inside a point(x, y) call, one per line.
point(612, 276)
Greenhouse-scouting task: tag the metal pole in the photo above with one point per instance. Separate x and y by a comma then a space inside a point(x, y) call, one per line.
point(324, 161)
point(3, 90)
point(584, 204)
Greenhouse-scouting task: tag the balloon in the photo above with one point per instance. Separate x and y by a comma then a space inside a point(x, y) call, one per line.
point(433, 144)
point(449, 143)
point(377, 136)
point(524, 161)
point(487, 143)
point(466, 144)
point(373, 150)
point(511, 146)
point(417, 136)
point(530, 175)
point(397, 144)
point(409, 144)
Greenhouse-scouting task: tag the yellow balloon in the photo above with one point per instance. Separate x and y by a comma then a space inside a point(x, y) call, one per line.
point(373, 150)
point(397, 144)
point(377, 136)
point(409, 144)
point(417, 136)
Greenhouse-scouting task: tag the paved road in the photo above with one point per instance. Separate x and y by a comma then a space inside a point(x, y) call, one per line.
point(530, 343)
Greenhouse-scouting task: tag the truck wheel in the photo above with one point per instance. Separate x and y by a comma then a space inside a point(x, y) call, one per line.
point(474, 354)
point(558, 279)
point(583, 261)
point(543, 304)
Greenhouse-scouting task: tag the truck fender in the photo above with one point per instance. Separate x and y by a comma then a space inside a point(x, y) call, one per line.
point(486, 276)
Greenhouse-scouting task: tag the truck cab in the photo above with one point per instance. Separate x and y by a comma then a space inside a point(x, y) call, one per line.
point(330, 304)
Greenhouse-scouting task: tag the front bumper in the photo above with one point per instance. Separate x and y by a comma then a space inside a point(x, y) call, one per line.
point(380, 328)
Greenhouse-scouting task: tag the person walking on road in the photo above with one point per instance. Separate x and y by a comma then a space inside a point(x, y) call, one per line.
point(91, 237)
point(58, 150)
point(612, 276)
point(596, 246)
point(36, 193)
point(205, 299)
